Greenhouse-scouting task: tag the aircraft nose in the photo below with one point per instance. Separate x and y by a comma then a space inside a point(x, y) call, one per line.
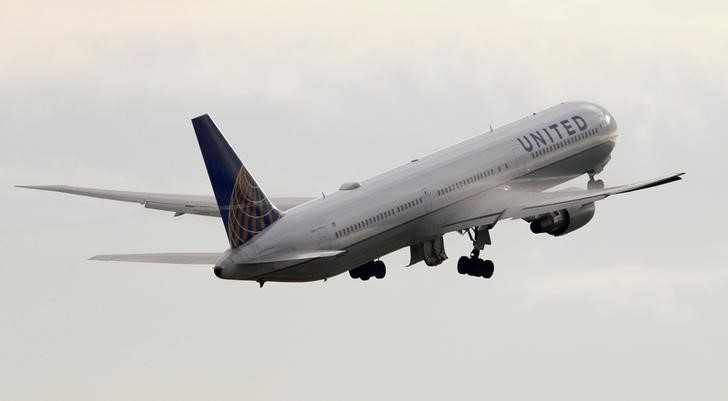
point(611, 122)
point(218, 271)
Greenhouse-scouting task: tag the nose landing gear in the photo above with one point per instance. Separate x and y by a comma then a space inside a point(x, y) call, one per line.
point(594, 184)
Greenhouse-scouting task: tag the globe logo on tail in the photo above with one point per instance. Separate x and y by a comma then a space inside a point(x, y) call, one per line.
point(250, 212)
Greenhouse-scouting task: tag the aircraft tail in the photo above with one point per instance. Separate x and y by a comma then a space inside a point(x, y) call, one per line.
point(244, 208)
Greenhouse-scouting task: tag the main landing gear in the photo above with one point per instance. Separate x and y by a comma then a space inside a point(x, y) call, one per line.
point(368, 270)
point(594, 184)
point(473, 265)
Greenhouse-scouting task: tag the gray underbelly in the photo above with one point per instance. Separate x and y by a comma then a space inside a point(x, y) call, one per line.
point(356, 255)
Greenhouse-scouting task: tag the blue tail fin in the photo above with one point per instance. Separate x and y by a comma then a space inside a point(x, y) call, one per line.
point(244, 208)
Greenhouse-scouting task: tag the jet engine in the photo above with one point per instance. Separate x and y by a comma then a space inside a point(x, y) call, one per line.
point(563, 221)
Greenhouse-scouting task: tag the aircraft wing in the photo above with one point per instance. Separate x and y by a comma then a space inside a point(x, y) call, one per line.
point(179, 204)
point(504, 203)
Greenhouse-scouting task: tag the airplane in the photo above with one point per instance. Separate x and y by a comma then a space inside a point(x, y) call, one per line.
point(503, 174)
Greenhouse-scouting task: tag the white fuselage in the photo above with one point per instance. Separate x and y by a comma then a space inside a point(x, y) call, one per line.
point(415, 202)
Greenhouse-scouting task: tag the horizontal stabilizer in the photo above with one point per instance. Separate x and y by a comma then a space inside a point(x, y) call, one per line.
point(293, 256)
point(201, 258)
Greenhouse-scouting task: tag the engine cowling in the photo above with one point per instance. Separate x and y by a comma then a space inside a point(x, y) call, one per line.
point(563, 221)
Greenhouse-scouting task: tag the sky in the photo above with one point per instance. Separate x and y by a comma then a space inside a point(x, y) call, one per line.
point(94, 93)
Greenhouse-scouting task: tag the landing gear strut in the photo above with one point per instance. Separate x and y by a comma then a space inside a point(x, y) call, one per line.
point(473, 265)
point(368, 270)
point(594, 184)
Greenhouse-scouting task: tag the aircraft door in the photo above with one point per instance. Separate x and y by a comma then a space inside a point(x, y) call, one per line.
point(521, 160)
point(324, 240)
point(427, 200)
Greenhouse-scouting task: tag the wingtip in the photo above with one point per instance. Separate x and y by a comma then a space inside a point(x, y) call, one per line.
point(54, 188)
point(677, 176)
point(41, 187)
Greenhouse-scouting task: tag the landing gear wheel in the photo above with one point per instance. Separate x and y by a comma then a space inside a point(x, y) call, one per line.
point(379, 269)
point(463, 265)
point(354, 273)
point(488, 269)
point(474, 267)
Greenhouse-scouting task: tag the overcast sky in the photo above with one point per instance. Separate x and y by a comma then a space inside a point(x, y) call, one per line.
point(313, 94)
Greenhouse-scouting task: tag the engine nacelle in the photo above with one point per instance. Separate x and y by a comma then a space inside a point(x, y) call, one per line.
point(563, 221)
